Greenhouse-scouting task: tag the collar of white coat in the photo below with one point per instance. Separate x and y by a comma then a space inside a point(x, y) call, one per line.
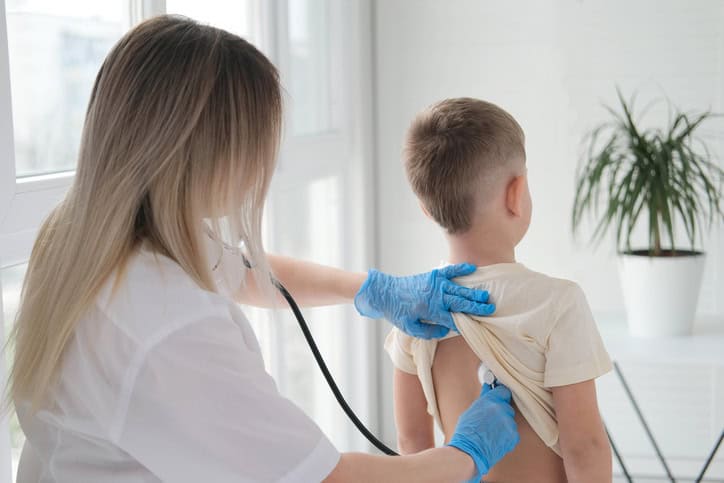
point(225, 264)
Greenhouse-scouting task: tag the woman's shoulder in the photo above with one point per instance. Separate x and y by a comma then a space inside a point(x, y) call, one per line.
point(153, 294)
point(151, 324)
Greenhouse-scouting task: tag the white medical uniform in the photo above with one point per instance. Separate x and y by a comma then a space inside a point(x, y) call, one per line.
point(163, 381)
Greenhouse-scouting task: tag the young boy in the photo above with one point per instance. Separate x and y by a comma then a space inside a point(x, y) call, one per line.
point(465, 160)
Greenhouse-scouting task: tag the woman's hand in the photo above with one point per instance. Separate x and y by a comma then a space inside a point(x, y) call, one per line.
point(420, 305)
point(486, 430)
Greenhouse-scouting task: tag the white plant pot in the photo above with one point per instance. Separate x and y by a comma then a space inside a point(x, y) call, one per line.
point(661, 293)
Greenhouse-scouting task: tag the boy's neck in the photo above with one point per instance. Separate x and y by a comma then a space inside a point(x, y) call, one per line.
point(480, 247)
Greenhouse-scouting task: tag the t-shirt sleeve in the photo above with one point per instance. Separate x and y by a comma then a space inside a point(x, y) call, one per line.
point(575, 351)
point(202, 408)
point(399, 347)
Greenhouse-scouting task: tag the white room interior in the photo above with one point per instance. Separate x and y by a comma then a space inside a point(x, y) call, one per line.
point(553, 65)
point(355, 73)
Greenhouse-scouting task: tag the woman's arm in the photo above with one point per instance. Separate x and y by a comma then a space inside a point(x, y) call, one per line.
point(312, 285)
point(484, 434)
point(437, 465)
point(584, 445)
point(414, 425)
point(420, 305)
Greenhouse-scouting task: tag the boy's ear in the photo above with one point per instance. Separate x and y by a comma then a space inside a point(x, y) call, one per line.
point(424, 210)
point(514, 195)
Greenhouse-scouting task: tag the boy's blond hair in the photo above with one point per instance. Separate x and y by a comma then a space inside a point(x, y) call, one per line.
point(453, 151)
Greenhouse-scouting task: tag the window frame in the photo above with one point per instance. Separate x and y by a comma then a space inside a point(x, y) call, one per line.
point(7, 193)
point(7, 139)
point(28, 200)
point(346, 151)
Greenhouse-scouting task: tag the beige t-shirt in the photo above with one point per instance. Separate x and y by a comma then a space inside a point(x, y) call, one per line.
point(542, 335)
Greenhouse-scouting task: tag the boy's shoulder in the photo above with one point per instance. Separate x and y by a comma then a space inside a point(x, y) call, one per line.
point(517, 281)
point(563, 290)
point(516, 273)
point(564, 298)
point(561, 286)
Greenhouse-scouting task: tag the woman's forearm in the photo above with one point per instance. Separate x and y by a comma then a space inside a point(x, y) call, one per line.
point(439, 465)
point(310, 284)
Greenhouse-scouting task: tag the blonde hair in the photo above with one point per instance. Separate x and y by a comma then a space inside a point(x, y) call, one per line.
point(182, 131)
point(453, 151)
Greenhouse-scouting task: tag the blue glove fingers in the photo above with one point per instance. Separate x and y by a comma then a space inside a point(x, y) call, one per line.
point(503, 394)
point(468, 293)
point(459, 270)
point(459, 304)
point(405, 301)
point(487, 430)
point(500, 392)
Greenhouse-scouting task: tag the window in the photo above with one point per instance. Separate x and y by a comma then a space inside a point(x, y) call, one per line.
point(55, 51)
point(238, 17)
point(309, 69)
point(308, 224)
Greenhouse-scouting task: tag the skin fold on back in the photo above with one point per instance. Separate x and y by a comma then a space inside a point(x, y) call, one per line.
point(455, 377)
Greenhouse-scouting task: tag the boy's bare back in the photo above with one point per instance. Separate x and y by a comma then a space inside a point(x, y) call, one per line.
point(455, 376)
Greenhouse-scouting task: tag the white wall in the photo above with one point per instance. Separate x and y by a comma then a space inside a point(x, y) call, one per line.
point(551, 64)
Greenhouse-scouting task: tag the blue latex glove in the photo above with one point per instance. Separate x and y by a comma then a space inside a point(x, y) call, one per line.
point(420, 305)
point(487, 430)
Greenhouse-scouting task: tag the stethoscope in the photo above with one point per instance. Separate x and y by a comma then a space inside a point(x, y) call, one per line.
point(485, 375)
point(327, 375)
point(237, 251)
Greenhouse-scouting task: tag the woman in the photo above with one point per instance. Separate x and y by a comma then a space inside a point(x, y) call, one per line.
point(133, 360)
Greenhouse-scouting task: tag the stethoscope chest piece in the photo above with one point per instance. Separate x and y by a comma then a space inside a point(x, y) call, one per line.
point(485, 375)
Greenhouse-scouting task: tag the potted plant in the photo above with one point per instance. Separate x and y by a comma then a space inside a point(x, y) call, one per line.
point(664, 180)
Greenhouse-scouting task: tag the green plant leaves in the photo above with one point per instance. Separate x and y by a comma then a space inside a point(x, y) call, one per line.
point(666, 172)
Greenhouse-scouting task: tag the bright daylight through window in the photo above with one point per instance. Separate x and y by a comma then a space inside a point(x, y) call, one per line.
point(236, 17)
point(55, 51)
